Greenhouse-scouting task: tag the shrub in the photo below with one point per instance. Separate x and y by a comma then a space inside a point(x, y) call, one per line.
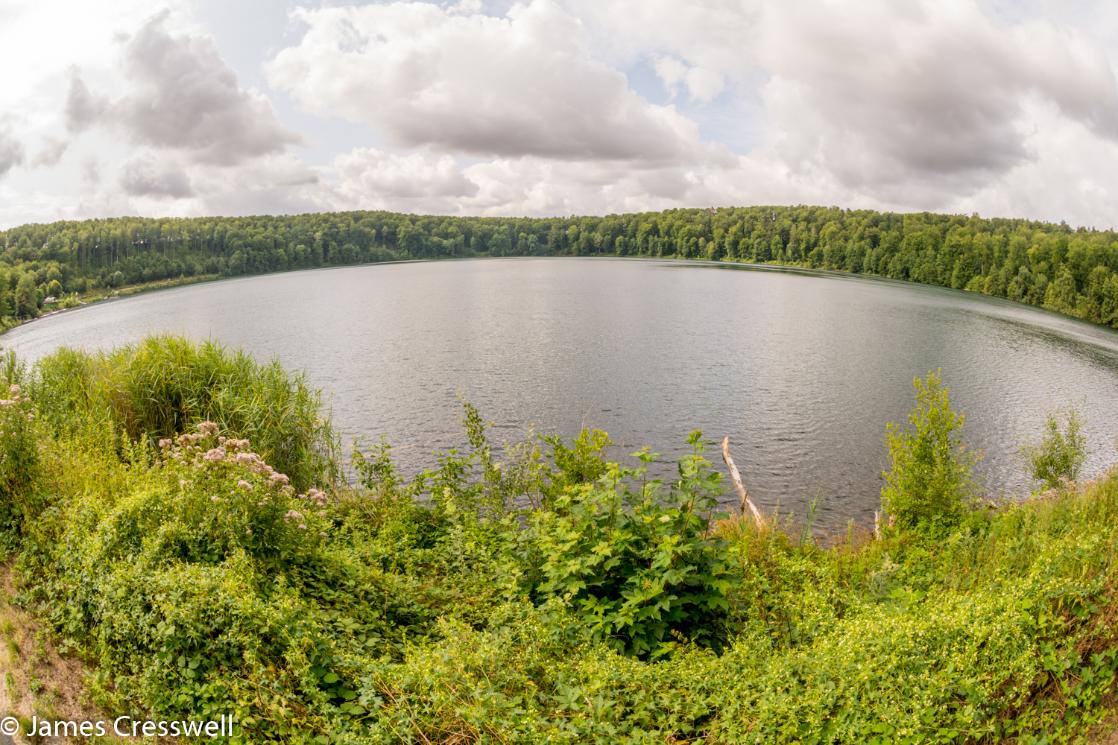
point(929, 483)
point(1059, 456)
point(637, 562)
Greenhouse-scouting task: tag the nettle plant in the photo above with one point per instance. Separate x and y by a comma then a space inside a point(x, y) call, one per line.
point(635, 559)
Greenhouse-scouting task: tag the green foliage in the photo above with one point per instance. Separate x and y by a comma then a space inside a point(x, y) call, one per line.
point(1059, 456)
point(1043, 264)
point(19, 463)
point(166, 385)
point(539, 593)
point(929, 484)
point(635, 561)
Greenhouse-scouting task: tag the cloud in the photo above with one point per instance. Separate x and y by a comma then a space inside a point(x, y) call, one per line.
point(11, 151)
point(548, 107)
point(932, 109)
point(716, 36)
point(524, 83)
point(186, 98)
point(376, 179)
point(144, 176)
point(273, 184)
point(1071, 178)
point(671, 71)
point(50, 153)
point(83, 109)
point(534, 186)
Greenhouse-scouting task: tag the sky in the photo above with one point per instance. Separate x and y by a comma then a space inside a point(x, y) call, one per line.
point(558, 107)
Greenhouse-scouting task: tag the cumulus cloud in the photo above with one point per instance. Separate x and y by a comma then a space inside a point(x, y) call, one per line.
point(524, 83)
point(715, 36)
point(534, 186)
point(185, 97)
point(703, 85)
point(547, 107)
point(929, 110)
point(11, 152)
point(83, 109)
point(50, 153)
point(147, 177)
point(1072, 176)
point(376, 179)
point(273, 184)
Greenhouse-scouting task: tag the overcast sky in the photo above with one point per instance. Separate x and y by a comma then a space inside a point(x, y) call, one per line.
point(557, 107)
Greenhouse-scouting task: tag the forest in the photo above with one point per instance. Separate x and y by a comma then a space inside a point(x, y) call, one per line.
point(1073, 271)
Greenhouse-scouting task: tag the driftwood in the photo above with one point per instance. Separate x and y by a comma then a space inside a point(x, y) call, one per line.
point(743, 496)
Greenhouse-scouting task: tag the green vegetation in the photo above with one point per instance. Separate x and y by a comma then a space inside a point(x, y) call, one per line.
point(543, 594)
point(929, 484)
point(1070, 271)
point(1058, 457)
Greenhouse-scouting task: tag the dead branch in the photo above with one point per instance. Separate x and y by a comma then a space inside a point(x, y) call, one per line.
point(743, 495)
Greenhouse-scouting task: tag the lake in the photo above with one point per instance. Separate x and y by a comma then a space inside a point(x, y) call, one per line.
point(801, 370)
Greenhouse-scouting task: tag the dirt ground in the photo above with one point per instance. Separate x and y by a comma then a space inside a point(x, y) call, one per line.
point(37, 680)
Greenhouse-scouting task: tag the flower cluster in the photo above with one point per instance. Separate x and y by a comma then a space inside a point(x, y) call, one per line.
point(231, 461)
point(16, 410)
point(316, 497)
point(191, 447)
point(14, 397)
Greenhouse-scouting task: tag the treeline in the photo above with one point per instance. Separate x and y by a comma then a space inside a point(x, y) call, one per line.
point(1071, 271)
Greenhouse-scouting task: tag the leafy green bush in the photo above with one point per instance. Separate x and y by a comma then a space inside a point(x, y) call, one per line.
point(929, 484)
point(636, 562)
point(1058, 458)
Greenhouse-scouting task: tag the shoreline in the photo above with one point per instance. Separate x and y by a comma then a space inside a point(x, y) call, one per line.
point(129, 291)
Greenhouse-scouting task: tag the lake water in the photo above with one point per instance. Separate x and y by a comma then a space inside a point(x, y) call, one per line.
point(801, 371)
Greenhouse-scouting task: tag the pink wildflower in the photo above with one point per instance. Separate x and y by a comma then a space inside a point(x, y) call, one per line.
point(214, 454)
point(13, 389)
point(293, 515)
point(279, 478)
point(165, 443)
point(244, 484)
point(317, 496)
point(207, 428)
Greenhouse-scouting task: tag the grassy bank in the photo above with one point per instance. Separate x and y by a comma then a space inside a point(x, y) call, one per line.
point(175, 517)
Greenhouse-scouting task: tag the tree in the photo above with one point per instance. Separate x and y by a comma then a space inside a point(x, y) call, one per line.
point(1058, 458)
point(27, 296)
point(929, 485)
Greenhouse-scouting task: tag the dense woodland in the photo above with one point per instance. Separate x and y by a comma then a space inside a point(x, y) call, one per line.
point(1071, 271)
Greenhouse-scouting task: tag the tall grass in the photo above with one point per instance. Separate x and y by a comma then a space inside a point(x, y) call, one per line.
point(165, 385)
